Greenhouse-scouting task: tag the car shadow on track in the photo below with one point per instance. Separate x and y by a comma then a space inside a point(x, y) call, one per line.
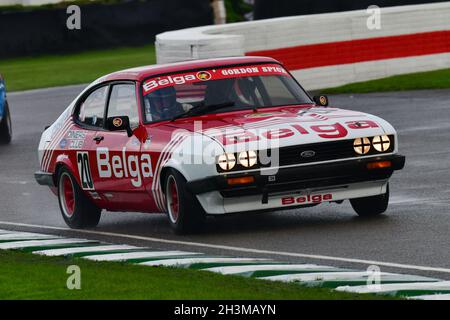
point(306, 220)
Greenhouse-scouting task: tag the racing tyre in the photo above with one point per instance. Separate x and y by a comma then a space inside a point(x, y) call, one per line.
point(77, 210)
point(5, 126)
point(186, 215)
point(371, 206)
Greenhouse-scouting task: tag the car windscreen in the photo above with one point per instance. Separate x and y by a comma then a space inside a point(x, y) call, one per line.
point(230, 88)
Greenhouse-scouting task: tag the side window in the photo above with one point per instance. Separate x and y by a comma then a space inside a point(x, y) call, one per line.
point(123, 103)
point(92, 109)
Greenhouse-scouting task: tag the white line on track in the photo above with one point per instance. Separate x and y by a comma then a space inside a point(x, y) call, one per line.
point(237, 249)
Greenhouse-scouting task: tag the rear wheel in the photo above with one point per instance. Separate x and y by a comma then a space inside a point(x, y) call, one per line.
point(186, 215)
point(371, 206)
point(77, 210)
point(5, 126)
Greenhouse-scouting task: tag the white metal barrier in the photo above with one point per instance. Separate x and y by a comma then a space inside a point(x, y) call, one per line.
point(326, 50)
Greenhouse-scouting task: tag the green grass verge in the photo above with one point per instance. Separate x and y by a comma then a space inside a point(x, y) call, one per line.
point(439, 79)
point(58, 70)
point(28, 276)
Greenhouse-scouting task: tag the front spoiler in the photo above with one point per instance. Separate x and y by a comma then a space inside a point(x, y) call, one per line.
point(299, 178)
point(44, 178)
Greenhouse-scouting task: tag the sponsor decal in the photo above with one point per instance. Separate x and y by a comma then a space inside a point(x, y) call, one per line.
point(324, 131)
point(76, 144)
point(76, 134)
point(215, 74)
point(124, 166)
point(76, 139)
point(63, 143)
point(307, 199)
point(203, 75)
point(117, 122)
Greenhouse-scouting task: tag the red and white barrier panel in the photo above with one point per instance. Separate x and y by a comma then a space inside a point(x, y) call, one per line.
point(327, 50)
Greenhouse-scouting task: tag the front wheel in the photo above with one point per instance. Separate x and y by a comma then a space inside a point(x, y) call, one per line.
point(77, 210)
point(186, 215)
point(371, 206)
point(5, 126)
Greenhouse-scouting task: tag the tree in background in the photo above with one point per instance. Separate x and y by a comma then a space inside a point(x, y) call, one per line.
point(239, 10)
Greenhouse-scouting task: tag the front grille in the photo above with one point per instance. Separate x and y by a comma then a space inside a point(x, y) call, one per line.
point(324, 151)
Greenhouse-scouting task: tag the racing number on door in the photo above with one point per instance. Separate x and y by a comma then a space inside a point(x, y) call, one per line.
point(85, 171)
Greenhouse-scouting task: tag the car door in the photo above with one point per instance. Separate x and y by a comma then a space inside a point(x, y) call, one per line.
point(88, 118)
point(121, 169)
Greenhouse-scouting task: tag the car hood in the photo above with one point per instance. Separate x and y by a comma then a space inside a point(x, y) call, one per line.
point(287, 126)
point(237, 131)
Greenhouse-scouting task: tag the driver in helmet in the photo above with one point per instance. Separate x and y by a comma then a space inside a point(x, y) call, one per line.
point(162, 104)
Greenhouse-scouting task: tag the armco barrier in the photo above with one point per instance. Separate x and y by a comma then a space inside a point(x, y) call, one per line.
point(326, 50)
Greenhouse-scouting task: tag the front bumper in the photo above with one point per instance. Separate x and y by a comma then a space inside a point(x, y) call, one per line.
point(299, 178)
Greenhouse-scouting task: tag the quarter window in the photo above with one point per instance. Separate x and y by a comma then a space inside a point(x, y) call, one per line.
point(92, 110)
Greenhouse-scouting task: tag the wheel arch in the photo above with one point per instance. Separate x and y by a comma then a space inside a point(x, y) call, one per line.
point(63, 161)
point(163, 175)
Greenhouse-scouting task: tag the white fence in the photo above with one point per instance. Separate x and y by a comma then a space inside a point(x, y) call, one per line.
point(326, 50)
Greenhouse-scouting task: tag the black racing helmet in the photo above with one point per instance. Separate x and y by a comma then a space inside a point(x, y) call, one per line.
point(163, 98)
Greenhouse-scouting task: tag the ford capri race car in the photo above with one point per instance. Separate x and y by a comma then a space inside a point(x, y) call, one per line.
point(5, 116)
point(212, 137)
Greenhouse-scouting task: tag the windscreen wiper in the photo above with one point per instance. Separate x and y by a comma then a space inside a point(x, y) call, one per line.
point(202, 108)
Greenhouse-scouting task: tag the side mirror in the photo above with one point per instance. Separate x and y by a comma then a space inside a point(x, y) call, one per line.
point(321, 100)
point(119, 124)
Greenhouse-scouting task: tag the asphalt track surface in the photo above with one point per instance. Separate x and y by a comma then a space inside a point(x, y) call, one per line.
point(412, 237)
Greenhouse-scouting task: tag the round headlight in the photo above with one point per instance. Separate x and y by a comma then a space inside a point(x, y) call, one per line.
point(381, 143)
point(361, 145)
point(248, 158)
point(226, 161)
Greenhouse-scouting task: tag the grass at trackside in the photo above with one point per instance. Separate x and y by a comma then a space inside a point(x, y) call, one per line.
point(28, 276)
point(58, 70)
point(439, 79)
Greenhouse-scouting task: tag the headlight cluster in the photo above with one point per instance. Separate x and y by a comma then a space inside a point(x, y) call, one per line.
point(246, 159)
point(363, 146)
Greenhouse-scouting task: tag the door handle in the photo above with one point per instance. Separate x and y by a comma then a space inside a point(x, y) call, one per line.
point(98, 138)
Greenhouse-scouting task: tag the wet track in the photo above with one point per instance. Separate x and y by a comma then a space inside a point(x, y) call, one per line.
point(415, 231)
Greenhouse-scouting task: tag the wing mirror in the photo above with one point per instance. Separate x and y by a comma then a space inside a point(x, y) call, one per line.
point(321, 100)
point(119, 124)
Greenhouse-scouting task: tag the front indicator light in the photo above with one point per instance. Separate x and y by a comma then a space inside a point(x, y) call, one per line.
point(379, 165)
point(361, 145)
point(381, 143)
point(240, 180)
point(248, 158)
point(226, 161)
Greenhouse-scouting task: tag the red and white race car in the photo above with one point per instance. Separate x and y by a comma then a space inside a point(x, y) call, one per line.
point(212, 137)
